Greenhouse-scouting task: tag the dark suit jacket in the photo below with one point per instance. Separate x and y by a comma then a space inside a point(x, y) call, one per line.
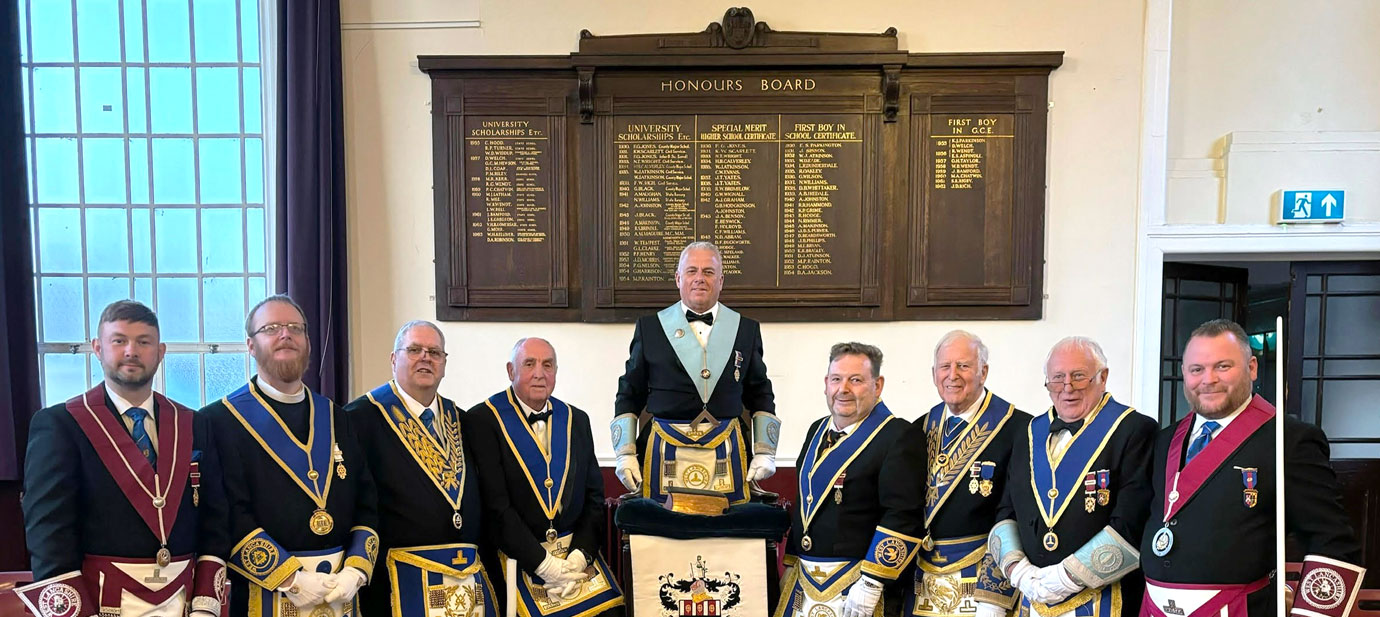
point(73, 508)
point(970, 514)
point(412, 511)
point(512, 511)
point(653, 378)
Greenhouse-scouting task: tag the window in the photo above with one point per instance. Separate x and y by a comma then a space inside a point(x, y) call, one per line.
point(144, 123)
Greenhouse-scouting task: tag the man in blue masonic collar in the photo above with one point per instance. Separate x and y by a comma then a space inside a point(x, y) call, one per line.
point(429, 496)
point(859, 518)
point(1078, 497)
point(695, 367)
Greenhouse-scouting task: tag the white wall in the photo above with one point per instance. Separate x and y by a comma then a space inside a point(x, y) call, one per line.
point(1272, 95)
point(1090, 237)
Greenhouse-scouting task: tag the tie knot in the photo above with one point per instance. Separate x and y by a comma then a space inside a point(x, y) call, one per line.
point(540, 416)
point(427, 416)
point(137, 414)
point(953, 423)
point(1209, 427)
point(707, 318)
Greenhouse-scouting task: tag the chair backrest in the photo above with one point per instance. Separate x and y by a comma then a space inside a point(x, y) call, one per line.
point(9, 600)
point(1367, 604)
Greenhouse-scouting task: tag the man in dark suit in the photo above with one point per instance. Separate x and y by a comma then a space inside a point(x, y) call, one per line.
point(860, 514)
point(695, 367)
point(124, 513)
point(1210, 542)
point(428, 486)
point(1074, 510)
point(969, 436)
point(302, 502)
point(543, 493)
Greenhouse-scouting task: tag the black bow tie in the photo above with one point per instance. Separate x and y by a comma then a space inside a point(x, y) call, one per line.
point(1060, 425)
point(831, 437)
point(540, 416)
point(707, 318)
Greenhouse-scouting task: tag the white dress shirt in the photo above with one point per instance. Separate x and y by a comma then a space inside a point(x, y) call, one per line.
point(540, 426)
point(122, 406)
point(700, 328)
point(1199, 420)
point(416, 408)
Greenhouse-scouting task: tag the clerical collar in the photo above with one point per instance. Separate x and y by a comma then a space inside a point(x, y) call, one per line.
point(1198, 419)
point(414, 406)
point(281, 397)
point(713, 310)
point(528, 411)
point(968, 413)
point(122, 405)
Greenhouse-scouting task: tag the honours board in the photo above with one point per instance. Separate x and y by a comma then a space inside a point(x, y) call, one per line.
point(842, 178)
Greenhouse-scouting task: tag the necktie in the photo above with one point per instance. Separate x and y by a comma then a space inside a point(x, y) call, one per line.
point(831, 437)
point(952, 427)
point(707, 318)
point(1060, 425)
point(541, 416)
point(141, 435)
point(429, 421)
point(1201, 441)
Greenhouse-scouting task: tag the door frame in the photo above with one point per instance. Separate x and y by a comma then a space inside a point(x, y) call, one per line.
point(1160, 243)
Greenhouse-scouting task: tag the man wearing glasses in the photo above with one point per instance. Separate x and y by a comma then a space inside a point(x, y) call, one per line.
point(302, 503)
point(1070, 523)
point(429, 515)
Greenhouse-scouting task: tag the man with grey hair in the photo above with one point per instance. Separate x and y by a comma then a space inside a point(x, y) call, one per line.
point(1071, 520)
point(303, 506)
point(969, 436)
point(695, 366)
point(429, 500)
point(543, 492)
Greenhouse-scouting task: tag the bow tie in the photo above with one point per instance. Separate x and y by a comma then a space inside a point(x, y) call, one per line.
point(541, 416)
point(707, 318)
point(1060, 425)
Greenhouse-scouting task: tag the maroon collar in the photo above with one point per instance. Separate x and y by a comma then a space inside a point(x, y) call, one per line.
point(1256, 414)
point(127, 465)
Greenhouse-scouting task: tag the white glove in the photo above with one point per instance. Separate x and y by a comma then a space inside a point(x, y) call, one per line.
point(347, 584)
point(761, 467)
point(575, 562)
point(308, 588)
point(987, 609)
point(555, 571)
point(1025, 577)
point(862, 598)
point(628, 472)
point(1056, 583)
point(202, 614)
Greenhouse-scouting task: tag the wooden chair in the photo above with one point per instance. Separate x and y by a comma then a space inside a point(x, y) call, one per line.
point(1367, 604)
point(9, 600)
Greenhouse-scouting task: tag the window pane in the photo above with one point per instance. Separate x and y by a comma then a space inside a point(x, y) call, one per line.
point(1189, 287)
point(136, 97)
point(62, 310)
point(143, 247)
point(182, 378)
point(255, 229)
point(220, 171)
point(170, 92)
point(51, 31)
point(1348, 408)
point(222, 240)
point(254, 171)
point(1340, 282)
point(224, 314)
point(215, 31)
point(138, 171)
point(134, 31)
point(1312, 318)
point(24, 37)
point(217, 99)
point(64, 376)
point(1352, 327)
point(59, 240)
point(107, 240)
point(224, 374)
point(174, 232)
point(1364, 368)
point(249, 30)
point(143, 290)
point(102, 100)
point(101, 291)
point(253, 101)
point(55, 100)
point(169, 39)
point(178, 309)
point(98, 30)
point(94, 368)
point(257, 291)
point(174, 172)
point(56, 168)
point(103, 170)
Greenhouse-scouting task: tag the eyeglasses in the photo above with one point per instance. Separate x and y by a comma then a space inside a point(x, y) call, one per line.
point(415, 352)
point(273, 329)
point(1075, 382)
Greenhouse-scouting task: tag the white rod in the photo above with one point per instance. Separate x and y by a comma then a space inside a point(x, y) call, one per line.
point(1279, 460)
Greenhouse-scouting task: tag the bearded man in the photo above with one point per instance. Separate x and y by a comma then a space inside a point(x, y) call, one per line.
point(303, 507)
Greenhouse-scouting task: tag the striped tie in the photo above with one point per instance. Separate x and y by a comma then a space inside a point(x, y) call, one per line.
point(1201, 441)
point(141, 435)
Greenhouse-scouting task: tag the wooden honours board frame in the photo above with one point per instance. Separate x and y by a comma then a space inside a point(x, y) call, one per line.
point(842, 178)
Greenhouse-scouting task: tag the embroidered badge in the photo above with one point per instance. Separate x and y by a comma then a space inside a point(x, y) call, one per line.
point(259, 556)
point(59, 600)
point(699, 593)
point(890, 552)
point(1323, 588)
